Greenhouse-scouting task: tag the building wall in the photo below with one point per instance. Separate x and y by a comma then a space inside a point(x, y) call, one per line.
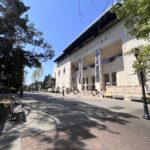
point(64, 79)
point(88, 73)
point(125, 76)
point(115, 66)
point(111, 35)
point(129, 43)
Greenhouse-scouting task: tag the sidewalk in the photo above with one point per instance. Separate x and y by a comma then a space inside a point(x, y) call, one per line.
point(125, 106)
point(56, 122)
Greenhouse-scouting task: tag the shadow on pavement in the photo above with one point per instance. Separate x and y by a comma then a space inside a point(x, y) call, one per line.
point(3, 116)
point(75, 122)
point(4, 111)
point(7, 139)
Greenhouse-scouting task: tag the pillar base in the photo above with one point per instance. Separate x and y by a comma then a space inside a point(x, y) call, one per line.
point(146, 116)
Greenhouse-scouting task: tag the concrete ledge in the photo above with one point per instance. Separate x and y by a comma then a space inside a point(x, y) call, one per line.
point(136, 99)
point(119, 97)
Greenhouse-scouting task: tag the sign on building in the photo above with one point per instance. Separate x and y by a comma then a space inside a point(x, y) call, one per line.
point(80, 71)
point(97, 65)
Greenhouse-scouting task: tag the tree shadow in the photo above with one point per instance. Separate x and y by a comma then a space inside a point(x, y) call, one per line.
point(75, 122)
point(4, 111)
point(6, 125)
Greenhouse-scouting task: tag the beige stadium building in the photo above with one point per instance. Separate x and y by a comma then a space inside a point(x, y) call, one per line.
point(94, 63)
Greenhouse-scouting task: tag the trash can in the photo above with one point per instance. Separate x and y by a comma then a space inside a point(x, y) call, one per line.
point(20, 117)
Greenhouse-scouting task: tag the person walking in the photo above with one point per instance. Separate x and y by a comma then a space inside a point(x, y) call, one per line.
point(21, 93)
point(63, 92)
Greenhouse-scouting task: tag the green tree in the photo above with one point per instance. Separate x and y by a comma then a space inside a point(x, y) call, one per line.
point(37, 73)
point(18, 37)
point(46, 82)
point(142, 62)
point(135, 14)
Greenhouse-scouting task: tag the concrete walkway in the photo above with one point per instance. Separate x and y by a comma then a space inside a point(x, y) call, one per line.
point(56, 122)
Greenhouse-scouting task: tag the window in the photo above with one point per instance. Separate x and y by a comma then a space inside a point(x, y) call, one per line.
point(83, 80)
point(73, 79)
point(87, 81)
point(114, 81)
point(93, 87)
point(83, 87)
point(87, 87)
point(106, 79)
point(64, 70)
point(93, 79)
point(59, 73)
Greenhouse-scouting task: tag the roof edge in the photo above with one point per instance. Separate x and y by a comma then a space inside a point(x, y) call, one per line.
point(94, 22)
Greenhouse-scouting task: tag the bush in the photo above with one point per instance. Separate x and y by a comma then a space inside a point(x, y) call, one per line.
point(8, 90)
point(148, 100)
point(4, 99)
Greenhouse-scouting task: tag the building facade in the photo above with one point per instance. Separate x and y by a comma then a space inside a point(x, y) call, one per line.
point(95, 61)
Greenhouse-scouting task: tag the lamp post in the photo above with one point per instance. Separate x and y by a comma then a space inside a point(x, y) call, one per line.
point(146, 112)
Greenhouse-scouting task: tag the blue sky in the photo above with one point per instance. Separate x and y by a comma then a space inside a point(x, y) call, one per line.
point(61, 21)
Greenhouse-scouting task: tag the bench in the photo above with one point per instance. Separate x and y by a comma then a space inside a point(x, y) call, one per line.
point(15, 107)
point(17, 113)
point(136, 99)
point(107, 95)
point(16, 99)
point(119, 97)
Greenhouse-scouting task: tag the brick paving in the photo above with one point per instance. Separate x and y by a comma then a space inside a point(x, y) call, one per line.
point(92, 125)
point(81, 138)
point(78, 124)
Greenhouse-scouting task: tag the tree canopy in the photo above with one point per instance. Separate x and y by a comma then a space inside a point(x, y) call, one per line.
point(48, 82)
point(18, 37)
point(142, 63)
point(37, 73)
point(135, 14)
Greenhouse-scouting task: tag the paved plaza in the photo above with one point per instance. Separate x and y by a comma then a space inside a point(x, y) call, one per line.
point(77, 123)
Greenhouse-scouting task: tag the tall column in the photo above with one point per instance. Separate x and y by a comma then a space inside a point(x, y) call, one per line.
point(110, 78)
point(80, 74)
point(70, 77)
point(98, 71)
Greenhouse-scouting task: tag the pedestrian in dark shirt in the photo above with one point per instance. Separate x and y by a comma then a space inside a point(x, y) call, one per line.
point(63, 92)
point(21, 93)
